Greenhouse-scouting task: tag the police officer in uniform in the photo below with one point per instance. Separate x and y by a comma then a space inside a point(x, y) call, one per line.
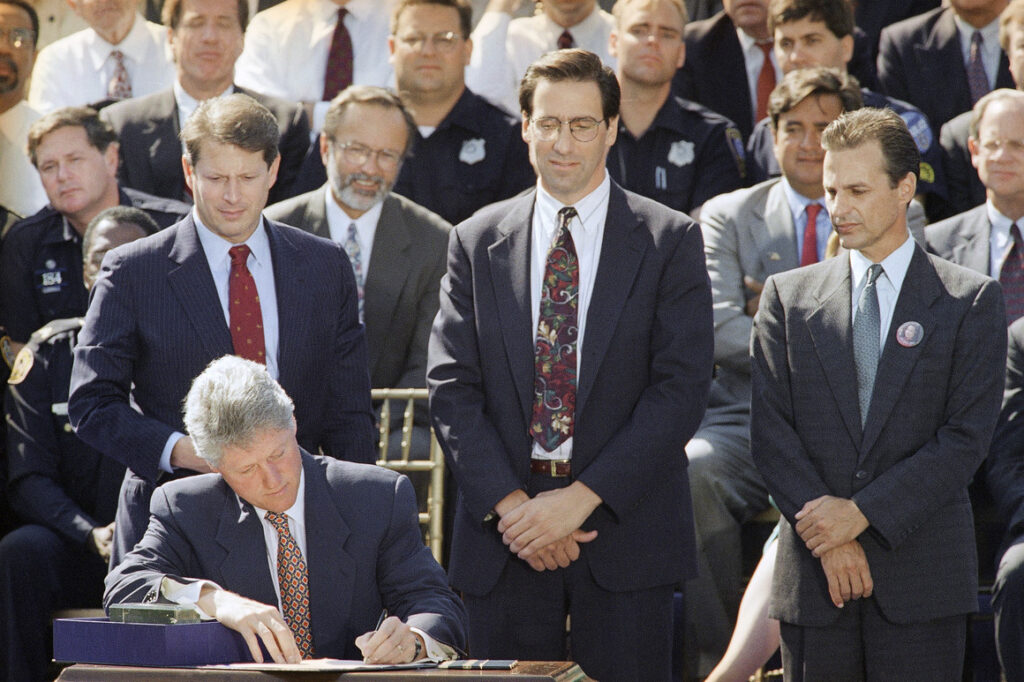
point(41, 256)
point(672, 150)
point(63, 490)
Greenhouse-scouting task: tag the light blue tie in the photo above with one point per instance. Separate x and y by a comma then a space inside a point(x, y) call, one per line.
point(866, 346)
point(355, 256)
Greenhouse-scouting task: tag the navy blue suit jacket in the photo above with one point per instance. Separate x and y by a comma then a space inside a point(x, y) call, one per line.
point(645, 372)
point(363, 551)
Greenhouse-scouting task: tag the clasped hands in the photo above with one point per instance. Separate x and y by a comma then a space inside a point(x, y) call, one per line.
point(829, 527)
point(544, 531)
point(392, 642)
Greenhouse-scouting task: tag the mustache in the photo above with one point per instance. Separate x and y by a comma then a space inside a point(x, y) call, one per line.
point(8, 61)
point(362, 177)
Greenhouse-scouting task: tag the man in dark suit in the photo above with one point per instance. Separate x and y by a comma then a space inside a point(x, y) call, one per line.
point(573, 495)
point(366, 135)
point(876, 384)
point(916, 54)
point(206, 39)
point(161, 310)
point(987, 238)
point(331, 543)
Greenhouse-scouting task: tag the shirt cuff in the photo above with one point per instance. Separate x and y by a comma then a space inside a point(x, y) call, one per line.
point(186, 593)
point(434, 650)
point(165, 456)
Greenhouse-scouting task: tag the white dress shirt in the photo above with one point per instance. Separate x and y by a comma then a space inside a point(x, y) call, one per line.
point(21, 190)
point(504, 47)
point(990, 51)
point(76, 70)
point(887, 286)
point(366, 227)
point(753, 58)
point(999, 239)
point(286, 49)
point(798, 204)
point(587, 230)
point(187, 104)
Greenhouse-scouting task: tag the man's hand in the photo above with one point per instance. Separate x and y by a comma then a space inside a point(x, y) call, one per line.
point(393, 642)
point(252, 619)
point(754, 301)
point(547, 518)
point(183, 456)
point(828, 522)
point(101, 540)
point(849, 576)
point(560, 553)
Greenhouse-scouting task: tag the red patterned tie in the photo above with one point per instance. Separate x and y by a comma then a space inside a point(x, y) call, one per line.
point(244, 308)
point(565, 40)
point(294, 584)
point(1011, 277)
point(120, 85)
point(765, 80)
point(339, 59)
point(554, 387)
point(809, 254)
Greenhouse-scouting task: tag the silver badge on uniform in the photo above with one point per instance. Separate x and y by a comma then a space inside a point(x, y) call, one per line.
point(472, 151)
point(680, 153)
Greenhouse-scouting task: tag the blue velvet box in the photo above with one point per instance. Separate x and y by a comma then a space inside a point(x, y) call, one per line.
point(98, 640)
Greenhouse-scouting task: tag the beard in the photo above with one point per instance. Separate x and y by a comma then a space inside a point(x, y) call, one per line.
point(10, 79)
point(360, 200)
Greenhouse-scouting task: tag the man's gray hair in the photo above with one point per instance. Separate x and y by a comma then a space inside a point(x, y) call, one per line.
point(230, 402)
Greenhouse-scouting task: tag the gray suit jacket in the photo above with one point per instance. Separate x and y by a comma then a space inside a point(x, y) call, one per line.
point(400, 295)
point(963, 239)
point(932, 414)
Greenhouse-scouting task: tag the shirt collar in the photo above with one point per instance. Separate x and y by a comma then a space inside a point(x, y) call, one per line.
point(578, 31)
point(548, 206)
point(797, 202)
point(746, 40)
point(989, 32)
point(997, 220)
point(134, 45)
point(13, 121)
point(895, 264)
point(327, 10)
point(187, 103)
point(216, 248)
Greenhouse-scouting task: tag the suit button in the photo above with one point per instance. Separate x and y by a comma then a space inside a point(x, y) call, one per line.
point(861, 475)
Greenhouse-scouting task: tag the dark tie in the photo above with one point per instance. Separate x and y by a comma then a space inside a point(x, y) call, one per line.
point(765, 80)
point(565, 40)
point(1011, 277)
point(809, 253)
point(866, 332)
point(244, 308)
point(977, 80)
point(339, 59)
point(554, 387)
point(120, 85)
point(293, 581)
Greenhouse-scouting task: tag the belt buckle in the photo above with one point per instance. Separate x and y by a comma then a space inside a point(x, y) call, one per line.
point(553, 468)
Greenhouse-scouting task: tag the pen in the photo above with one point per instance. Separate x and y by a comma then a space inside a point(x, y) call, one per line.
point(383, 615)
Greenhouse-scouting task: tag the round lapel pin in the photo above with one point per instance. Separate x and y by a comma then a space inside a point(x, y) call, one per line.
point(909, 334)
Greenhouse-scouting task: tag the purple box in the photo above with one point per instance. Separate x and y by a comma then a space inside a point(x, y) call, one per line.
point(97, 640)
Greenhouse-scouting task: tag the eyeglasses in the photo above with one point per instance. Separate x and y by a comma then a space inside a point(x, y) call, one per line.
point(357, 154)
point(18, 37)
point(584, 129)
point(992, 146)
point(442, 42)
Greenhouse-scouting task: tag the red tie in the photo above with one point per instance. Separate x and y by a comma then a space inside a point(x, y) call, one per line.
point(244, 308)
point(565, 40)
point(293, 581)
point(765, 80)
point(339, 59)
point(809, 253)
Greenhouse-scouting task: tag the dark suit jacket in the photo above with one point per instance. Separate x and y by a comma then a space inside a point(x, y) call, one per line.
point(643, 384)
point(965, 189)
point(363, 551)
point(151, 150)
point(963, 239)
point(714, 73)
point(400, 295)
point(155, 321)
point(916, 55)
point(1005, 465)
point(928, 428)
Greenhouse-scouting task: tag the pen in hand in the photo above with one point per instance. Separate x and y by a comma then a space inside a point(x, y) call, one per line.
point(383, 615)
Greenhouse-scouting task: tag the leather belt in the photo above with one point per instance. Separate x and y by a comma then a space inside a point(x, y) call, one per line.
point(551, 467)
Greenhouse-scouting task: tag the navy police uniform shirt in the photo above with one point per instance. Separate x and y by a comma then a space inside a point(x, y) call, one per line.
point(688, 155)
point(931, 180)
point(55, 479)
point(41, 264)
point(475, 157)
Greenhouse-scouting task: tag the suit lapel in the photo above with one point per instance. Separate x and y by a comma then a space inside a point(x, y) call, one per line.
point(940, 56)
point(829, 326)
point(244, 566)
point(165, 147)
point(510, 278)
point(622, 250)
point(776, 242)
point(972, 249)
point(290, 286)
point(920, 289)
point(314, 214)
point(389, 268)
point(190, 279)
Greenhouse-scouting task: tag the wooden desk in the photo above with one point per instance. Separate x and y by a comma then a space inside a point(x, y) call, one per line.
point(525, 671)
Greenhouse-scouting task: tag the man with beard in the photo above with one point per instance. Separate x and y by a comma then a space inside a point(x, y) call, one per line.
point(21, 192)
point(366, 136)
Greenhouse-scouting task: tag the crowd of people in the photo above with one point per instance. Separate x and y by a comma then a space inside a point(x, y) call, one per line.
point(662, 264)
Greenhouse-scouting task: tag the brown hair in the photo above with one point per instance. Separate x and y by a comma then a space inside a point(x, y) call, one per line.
point(837, 15)
point(576, 65)
point(371, 95)
point(236, 119)
point(97, 131)
point(464, 9)
point(856, 128)
point(798, 85)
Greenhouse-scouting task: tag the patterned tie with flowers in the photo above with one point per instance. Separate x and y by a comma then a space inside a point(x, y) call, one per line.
point(554, 387)
point(294, 584)
point(120, 84)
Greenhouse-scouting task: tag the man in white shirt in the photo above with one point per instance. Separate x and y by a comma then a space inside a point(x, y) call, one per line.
point(287, 49)
point(504, 47)
point(120, 55)
point(20, 189)
point(294, 551)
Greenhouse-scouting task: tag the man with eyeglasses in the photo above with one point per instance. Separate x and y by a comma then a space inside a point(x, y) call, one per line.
point(569, 362)
point(20, 189)
point(466, 153)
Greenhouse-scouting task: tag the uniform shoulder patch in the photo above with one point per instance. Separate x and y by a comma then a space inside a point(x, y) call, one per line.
point(734, 141)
